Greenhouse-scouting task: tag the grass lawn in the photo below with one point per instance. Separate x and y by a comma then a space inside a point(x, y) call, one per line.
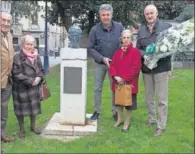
point(178, 138)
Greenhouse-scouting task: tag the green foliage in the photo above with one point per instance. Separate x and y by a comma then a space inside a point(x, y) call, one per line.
point(85, 12)
point(187, 13)
point(128, 13)
point(170, 9)
point(24, 8)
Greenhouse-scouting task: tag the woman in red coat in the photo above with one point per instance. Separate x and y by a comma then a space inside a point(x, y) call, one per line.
point(125, 67)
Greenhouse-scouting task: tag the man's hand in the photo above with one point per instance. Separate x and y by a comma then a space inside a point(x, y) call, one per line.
point(119, 80)
point(146, 59)
point(107, 61)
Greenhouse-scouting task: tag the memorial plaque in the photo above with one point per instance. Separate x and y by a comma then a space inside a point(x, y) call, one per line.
point(72, 80)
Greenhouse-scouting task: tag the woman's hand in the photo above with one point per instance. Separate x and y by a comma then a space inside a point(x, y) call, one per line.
point(119, 80)
point(34, 50)
point(36, 81)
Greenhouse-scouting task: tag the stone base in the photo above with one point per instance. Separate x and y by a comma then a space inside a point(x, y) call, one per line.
point(57, 129)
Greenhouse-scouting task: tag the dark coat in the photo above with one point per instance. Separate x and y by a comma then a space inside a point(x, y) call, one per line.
point(26, 97)
point(144, 38)
point(126, 65)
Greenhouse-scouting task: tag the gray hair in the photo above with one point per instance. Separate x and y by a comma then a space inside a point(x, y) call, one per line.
point(27, 38)
point(151, 6)
point(2, 12)
point(126, 31)
point(107, 7)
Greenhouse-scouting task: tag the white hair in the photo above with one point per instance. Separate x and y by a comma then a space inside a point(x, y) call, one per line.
point(123, 32)
point(2, 13)
point(151, 6)
point(27, 38)
point(107, 7)
point(126, 31)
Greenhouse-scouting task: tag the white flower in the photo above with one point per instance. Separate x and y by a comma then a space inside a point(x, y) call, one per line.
point(182, 32)
point(165, 41)
point(191, 36)
point(157, 49)
point(186, 42)
point(169, 45)
point(163, 48)
point(175, 39)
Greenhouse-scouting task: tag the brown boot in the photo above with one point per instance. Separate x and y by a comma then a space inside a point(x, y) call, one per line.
point(120, 116)
point(148, 124)
point(32, 125)
point(127, 122)
point(21, 126)
point(158, 132)
point(7, 139)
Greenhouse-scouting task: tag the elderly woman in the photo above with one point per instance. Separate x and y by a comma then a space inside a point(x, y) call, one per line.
point(125, 68)
point(27, 77)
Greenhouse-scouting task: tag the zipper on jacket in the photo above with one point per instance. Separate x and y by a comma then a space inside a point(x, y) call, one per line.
point(109, 38)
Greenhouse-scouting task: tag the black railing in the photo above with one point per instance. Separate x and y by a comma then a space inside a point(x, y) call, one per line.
point(184, 56)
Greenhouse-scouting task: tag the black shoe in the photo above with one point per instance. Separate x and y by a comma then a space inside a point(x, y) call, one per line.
point(125, 130)
point(22, 135)
point(115, 116)
point(36, 131)
point(95, 116)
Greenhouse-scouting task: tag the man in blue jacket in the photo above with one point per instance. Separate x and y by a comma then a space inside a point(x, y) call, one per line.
point(103, 41)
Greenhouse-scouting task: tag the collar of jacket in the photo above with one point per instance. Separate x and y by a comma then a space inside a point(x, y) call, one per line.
point(22, 55)
point(3, 35)
point(111, 27)
point(129, 47)
point(155, 25)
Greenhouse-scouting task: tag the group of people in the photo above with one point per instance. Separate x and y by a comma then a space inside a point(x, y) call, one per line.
point(113, 52)
point(111, 47)
point(21, 76)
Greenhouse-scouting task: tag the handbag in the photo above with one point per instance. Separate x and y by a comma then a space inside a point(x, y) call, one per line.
point(45, 92)
point(123, 94)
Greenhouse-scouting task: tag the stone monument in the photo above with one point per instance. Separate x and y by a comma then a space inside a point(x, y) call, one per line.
point(72, 120)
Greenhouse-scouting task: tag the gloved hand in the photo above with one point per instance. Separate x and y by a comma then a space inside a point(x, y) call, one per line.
point(36, 81)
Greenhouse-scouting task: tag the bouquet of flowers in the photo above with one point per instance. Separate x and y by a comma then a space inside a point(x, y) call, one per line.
point(175, 39)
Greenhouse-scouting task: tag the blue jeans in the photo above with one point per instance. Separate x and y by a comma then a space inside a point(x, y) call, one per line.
point(100, 71)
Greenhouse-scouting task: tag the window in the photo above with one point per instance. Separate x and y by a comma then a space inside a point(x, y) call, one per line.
point(15, 40)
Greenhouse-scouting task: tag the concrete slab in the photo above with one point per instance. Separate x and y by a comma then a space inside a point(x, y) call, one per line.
point(88, 129)
point(60, 138)
point(57, 129)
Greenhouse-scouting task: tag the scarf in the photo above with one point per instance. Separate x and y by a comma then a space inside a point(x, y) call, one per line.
point(126, 47)
point(31, 56)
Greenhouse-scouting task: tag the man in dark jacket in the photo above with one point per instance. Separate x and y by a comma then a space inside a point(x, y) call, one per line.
point(103, 41)
point(155, 80)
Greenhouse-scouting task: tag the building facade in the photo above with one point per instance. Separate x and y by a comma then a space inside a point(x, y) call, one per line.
point(35, 25)
point(5, 6)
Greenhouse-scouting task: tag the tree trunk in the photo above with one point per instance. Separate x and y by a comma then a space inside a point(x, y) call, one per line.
point(67, 21)
point(91, 17)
